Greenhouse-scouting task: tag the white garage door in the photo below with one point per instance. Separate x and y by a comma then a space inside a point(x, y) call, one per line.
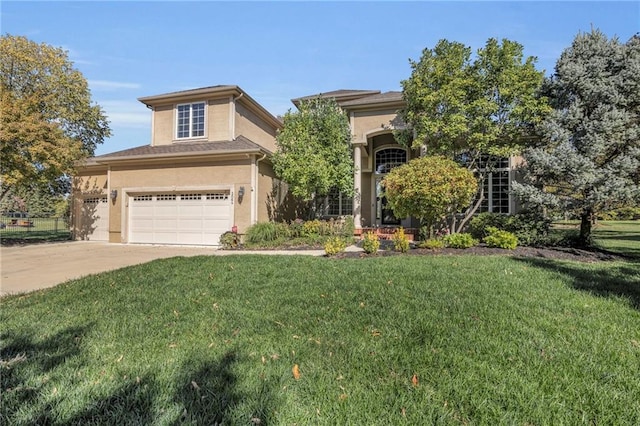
point(94, 219)
point(180, 218)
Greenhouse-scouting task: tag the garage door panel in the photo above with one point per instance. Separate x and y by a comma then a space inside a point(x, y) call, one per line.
point(193, 218)
point(94, 219)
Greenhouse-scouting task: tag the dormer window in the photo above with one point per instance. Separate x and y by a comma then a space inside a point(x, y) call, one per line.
point(190, 120)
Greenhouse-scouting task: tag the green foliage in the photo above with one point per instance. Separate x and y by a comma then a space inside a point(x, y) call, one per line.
point(531, 227)
point(429, 188)
point(501, 239)
point(486, 105)
point(263, 232)
point(459, 241)
point(314, 150)
point(622, 213)
point(229, 240)
point(334, 245)
point(432, 243)
point(589, 159)
point(47, 120)
point(400, 241)
point(370, 243)
point(312, 227)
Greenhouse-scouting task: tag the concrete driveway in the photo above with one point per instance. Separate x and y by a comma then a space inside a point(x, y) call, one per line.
point(37, 266)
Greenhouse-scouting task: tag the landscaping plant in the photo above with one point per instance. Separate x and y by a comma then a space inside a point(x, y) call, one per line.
point(459, 241)
point(501, 239)
point(371, 243)
point(400, 240)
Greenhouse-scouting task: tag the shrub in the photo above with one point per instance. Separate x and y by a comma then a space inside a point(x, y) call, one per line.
point(433, 243)
point(263, 232)
point(400, 241)
point(460, 241)
point(311, 228)
point(334, 245)
point(371, 243)
point(229, 240)
point(501, 239)
point(296, 228)
point(531, 227)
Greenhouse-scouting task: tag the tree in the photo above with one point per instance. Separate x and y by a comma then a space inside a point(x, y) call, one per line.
point(47, 119)
point(429, 188)
point(464, 108)
point(314, 150)
point(589, 158)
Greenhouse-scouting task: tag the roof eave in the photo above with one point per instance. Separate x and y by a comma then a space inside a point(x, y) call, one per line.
point(181, 155)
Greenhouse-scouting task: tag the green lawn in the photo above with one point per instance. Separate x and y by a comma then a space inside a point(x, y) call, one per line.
point(201, 340)
point(619, 236)
point(42, 230)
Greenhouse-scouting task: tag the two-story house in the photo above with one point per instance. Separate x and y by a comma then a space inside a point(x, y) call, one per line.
point(208, 171)
point(205, 172)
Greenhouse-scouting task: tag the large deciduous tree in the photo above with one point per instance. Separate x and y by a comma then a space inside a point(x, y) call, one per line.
point(485, 105)
point(47, 119)
point(314, 150)
point(429, 188)
point(589, 158)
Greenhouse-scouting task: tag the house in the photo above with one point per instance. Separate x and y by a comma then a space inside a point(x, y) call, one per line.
point(208, 171)
point(205, 172)
point(373, 118)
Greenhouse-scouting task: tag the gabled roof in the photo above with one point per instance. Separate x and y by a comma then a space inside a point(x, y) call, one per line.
point(342, 95)
point(241, 145)
point(219, 91)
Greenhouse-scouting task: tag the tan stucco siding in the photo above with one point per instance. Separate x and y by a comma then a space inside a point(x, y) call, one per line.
point(217, 122)
point(267, 204)
point(86, 183)
point(163, 125)
point(218, 126)
point(167, 178)
point(366, 122)
point(251, 126)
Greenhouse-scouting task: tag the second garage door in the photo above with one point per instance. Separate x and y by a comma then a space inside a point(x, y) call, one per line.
point(180, 218)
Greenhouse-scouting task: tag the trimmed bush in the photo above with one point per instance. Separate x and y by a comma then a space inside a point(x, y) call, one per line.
point(371, 243)
point(531, 228)
point(229, 240)
point(501, 239)
point(400, 241)
point(433, 243)
point(334, 245)
point(460, 241)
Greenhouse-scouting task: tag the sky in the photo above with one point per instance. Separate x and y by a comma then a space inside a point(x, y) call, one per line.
point(276, 51)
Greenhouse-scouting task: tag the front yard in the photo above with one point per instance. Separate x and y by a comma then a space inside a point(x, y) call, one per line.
point(384, 340)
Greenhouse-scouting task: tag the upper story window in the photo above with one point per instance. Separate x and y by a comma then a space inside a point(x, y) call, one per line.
point(389, 158)
point(190, 120)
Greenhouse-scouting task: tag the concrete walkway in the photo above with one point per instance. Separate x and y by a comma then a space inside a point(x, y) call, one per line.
point(33, 267)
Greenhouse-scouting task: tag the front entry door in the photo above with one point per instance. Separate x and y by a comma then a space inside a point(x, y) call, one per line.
point(384, 215)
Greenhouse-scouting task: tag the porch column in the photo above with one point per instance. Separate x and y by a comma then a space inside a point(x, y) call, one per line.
point(357, 184)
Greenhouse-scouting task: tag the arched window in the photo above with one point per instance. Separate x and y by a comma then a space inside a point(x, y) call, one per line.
point(389, 158)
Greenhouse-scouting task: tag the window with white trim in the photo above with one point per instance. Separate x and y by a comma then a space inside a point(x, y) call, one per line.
point(190, 120)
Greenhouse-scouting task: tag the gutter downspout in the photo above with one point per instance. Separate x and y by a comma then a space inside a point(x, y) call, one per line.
point(255, 170)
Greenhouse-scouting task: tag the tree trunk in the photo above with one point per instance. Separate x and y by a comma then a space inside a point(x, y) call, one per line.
point(586, 219)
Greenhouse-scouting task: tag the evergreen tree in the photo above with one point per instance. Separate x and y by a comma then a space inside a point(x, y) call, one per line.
point(589, 157)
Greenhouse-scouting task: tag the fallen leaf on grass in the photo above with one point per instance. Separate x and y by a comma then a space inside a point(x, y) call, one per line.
point(296, 371)
point(414, 380)
point(195, 385)
point(635, 343)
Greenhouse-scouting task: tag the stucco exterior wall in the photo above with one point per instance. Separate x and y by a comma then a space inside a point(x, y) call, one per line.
point(251, 126)
point(163, 125)
point(367, 121)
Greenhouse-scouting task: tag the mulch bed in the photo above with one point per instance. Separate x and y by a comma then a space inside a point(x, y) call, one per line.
point(555, 253)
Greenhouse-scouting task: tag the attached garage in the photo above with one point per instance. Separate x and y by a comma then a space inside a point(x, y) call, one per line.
point(192, 218)
point(94, 218)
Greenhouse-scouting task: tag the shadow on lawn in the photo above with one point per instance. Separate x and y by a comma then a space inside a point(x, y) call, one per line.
point(621, 280)
point(25, 364)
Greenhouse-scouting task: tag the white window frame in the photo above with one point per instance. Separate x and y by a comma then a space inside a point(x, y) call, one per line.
point(191, 121)
point(489, 194)
point(345, 204)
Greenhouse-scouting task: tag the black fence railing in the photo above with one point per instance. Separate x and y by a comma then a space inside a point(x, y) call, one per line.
point(14, 229)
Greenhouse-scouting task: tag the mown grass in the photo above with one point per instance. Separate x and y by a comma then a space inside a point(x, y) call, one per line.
point(619, 236)
point(42, 230)
point(201, 340)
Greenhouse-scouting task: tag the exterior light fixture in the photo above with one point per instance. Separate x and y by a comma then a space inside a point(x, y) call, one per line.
point(241, 192)
point(114, 194)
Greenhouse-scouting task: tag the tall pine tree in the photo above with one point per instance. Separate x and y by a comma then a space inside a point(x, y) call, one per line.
point(589, 157)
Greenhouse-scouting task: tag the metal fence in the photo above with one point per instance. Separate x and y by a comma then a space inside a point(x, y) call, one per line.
point(34, 228)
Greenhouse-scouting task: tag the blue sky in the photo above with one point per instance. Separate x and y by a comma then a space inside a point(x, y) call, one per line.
point(277, 51)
